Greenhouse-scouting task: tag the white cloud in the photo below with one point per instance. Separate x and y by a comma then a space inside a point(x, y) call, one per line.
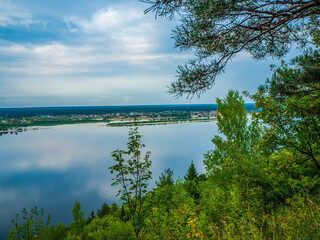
point(242, 56)
point(126, 27)
point(13, 15)
point(107, 18)
point(101, 88)
point(111, 54)
point(54, 154)
point(46, 59)
point(57, 58)
point(86, 71)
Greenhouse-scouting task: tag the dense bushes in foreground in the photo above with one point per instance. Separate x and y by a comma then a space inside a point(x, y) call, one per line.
point(171, 213)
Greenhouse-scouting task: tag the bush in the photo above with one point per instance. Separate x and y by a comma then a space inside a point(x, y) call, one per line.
point(109, 227)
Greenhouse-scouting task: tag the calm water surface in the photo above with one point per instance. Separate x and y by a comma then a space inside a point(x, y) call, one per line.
point(51, 168)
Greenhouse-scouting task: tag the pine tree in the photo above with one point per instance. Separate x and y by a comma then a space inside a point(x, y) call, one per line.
point(191, 182)
point(192, 174)
point(218, 30)
point(105, 209)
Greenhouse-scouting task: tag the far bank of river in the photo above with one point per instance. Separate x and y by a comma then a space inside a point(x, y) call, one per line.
point(113, 123)
point(157, 122)
point(17, 130)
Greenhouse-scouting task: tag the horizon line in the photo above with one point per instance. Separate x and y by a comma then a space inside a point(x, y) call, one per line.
point(132, 105)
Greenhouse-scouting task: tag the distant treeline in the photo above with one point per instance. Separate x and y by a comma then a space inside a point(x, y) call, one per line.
point(98, 110)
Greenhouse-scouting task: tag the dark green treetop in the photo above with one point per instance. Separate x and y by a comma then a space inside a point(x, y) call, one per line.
point(218, 30)
point(105, 209)
point(191, 174)
point(165, 179)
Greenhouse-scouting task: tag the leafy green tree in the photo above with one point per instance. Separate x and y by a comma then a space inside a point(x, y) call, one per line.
point(78, 220)
point(165, 179)
point(222, 29)
point(133, 175)
point(240, 134)
point(31, 227)
point(290, 106)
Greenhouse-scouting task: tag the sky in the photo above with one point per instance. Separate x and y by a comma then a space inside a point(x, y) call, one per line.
point(99, 53)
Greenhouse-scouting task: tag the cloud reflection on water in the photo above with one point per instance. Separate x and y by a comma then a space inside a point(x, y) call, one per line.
point(51, 168)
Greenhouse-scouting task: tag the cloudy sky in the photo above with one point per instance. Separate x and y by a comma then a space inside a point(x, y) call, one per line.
point(98, 52)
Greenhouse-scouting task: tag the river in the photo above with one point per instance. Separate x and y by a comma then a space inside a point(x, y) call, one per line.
point(51, 168)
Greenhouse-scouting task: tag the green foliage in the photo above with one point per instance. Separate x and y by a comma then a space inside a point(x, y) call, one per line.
point(30, 227)
point(213, 202)
point(92, 216)
point(192, 174)
point(165, 179)
point(182, 223)
point(109, 227)
point(133, 175)
point(54, 233)
point(168, 197)
point(240, 135)
point(105, 209)
point(162, 196)
point(78, 220)
point(288, 175)
point(191, 181)
point(264, 178)
point(218, 30)
point(298, 219)
point(290, 106)
point(114, 208)
point(172, 214)
point(123, 214)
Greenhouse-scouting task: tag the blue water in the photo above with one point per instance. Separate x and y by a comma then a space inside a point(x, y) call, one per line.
point(51, 168)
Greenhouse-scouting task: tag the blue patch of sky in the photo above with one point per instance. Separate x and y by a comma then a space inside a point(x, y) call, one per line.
point(32, 35)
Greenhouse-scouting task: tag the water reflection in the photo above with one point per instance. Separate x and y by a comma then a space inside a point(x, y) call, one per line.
point(15, 131)
point(51, 168)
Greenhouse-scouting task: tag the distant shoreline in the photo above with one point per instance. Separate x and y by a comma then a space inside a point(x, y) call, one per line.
point(107, 124)
point(18, 120)
point(164, 122)
point(77, 110)
point(21, 129)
